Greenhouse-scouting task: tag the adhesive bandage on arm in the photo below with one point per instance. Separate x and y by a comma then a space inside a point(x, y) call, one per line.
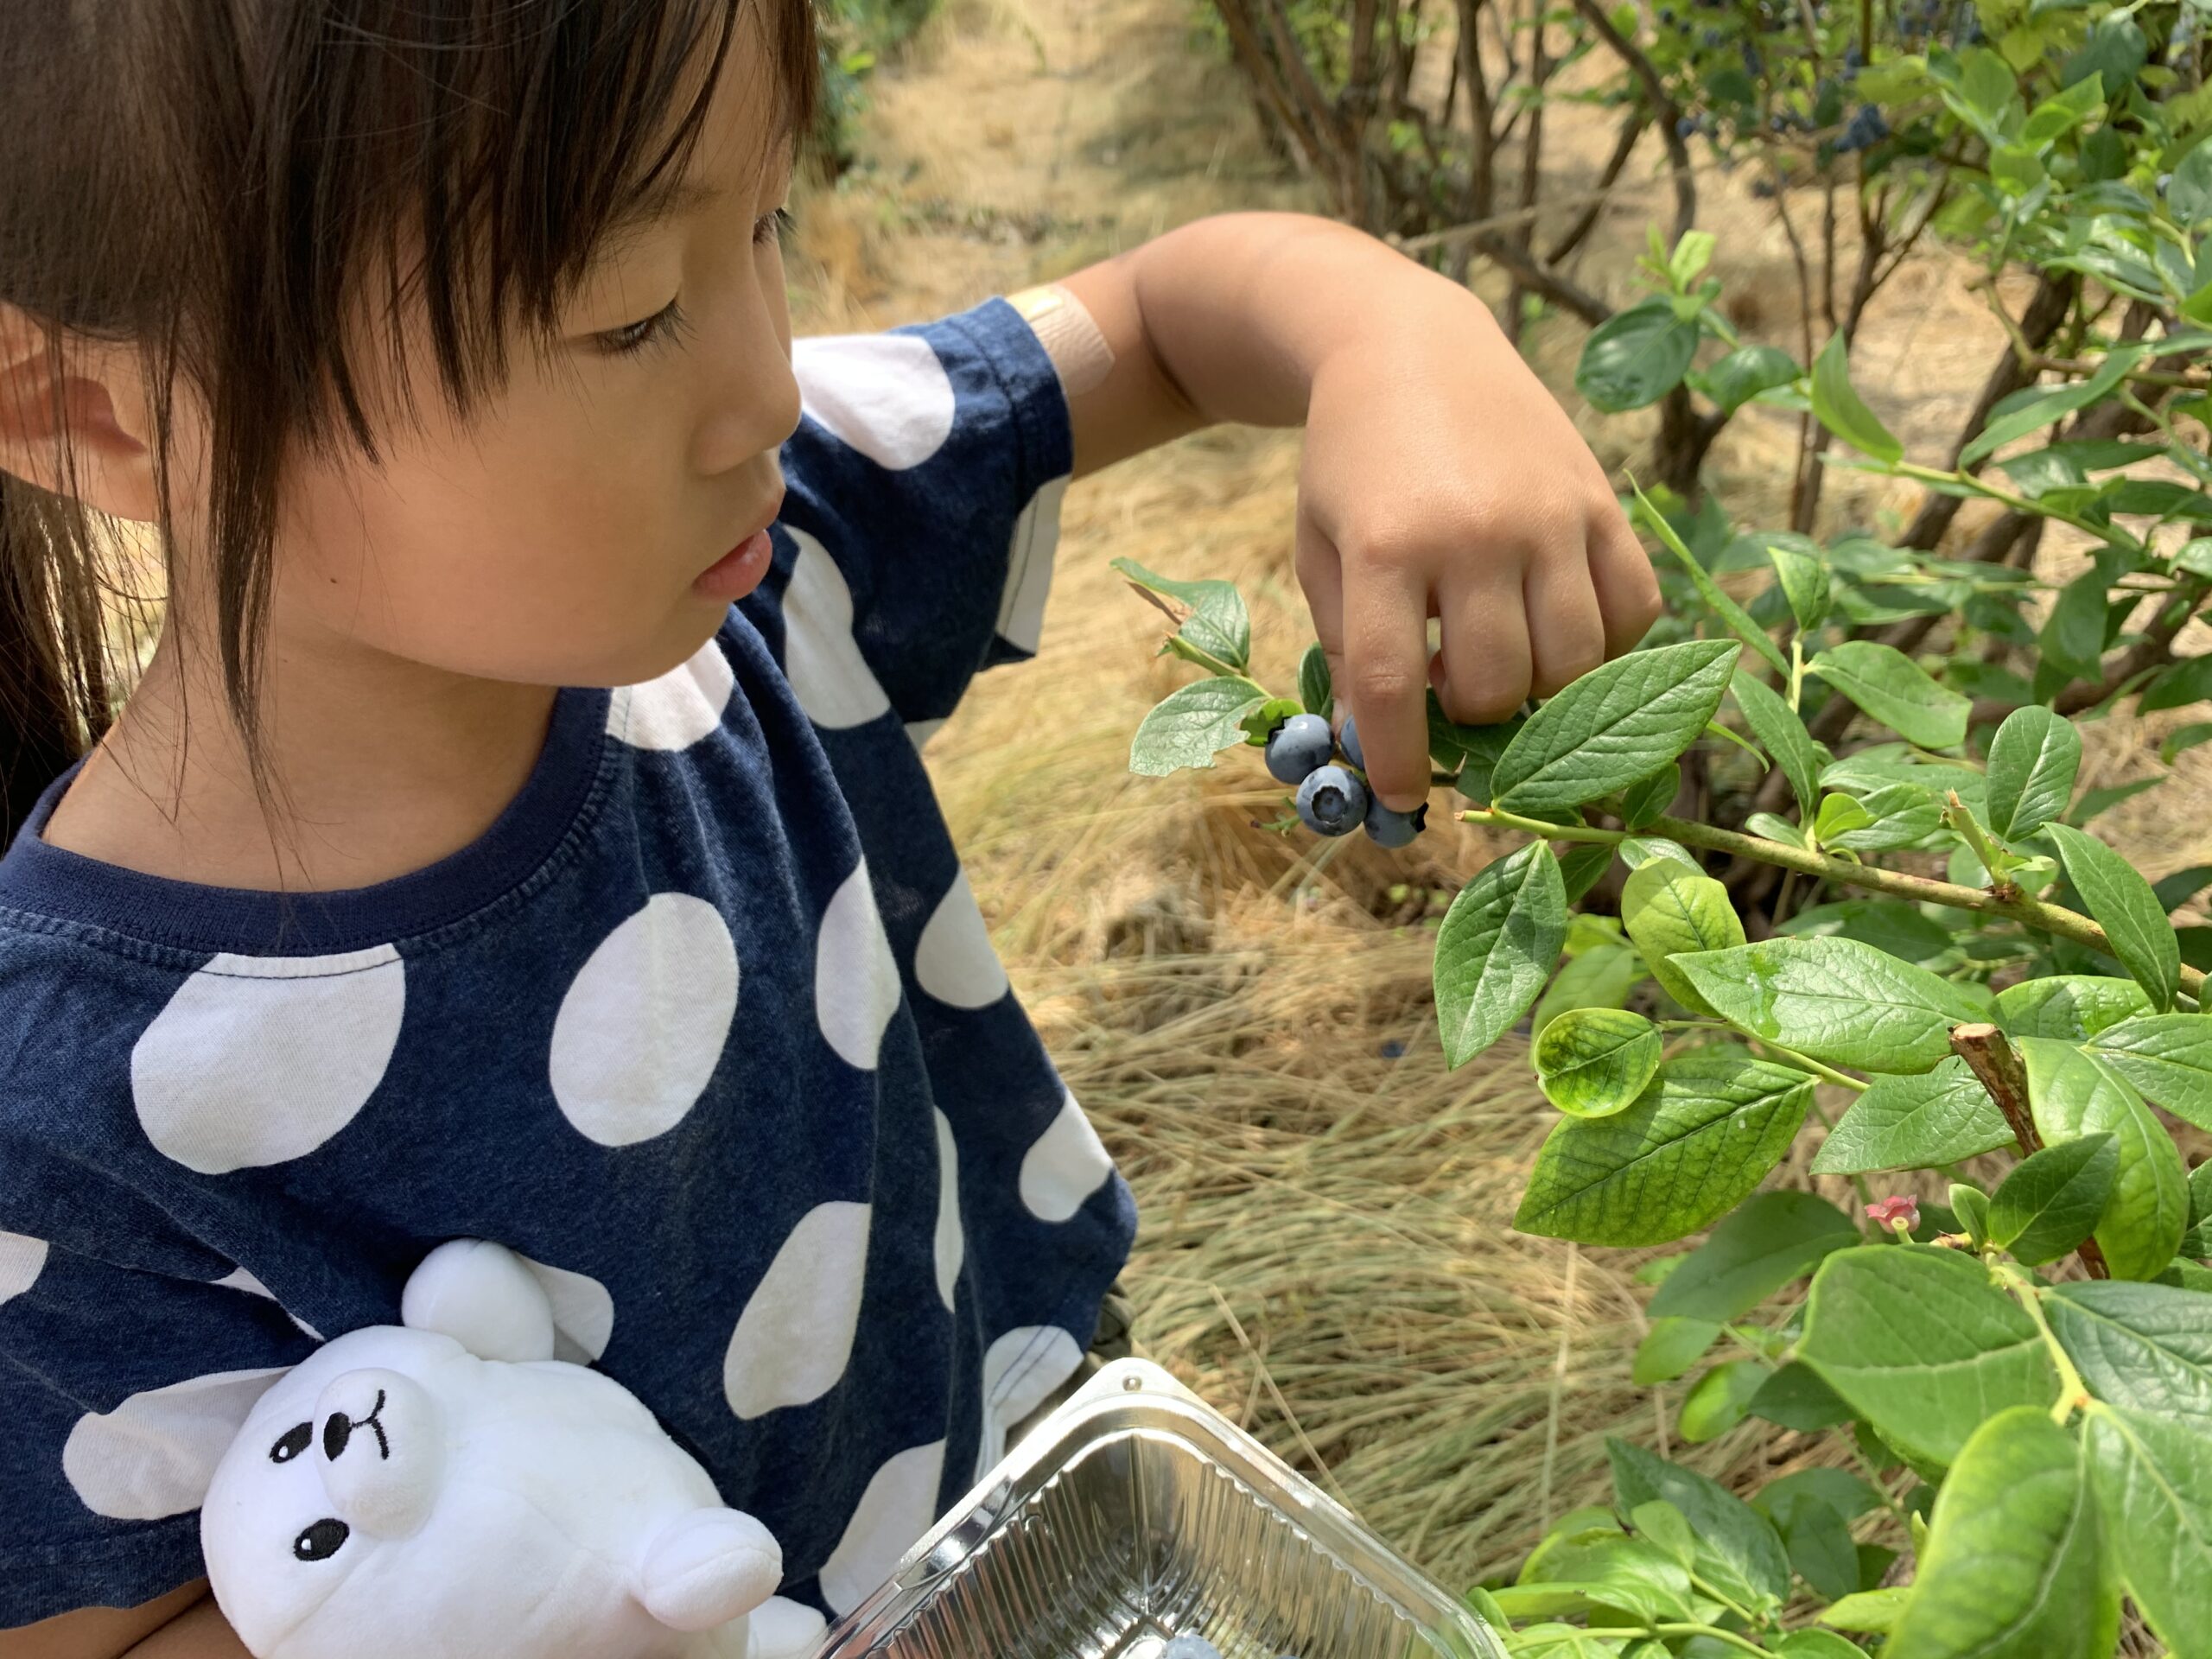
point(1068, 334)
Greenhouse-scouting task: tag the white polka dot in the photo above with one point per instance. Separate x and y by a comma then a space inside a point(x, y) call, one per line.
point(855, 981)
point(828, 674)
point(951, 1241)
point(897, 1509)
point(918, 733)
point(583, 1311)
point(260, 1059)
point(796, 1334)
point(885, 394)
point(154, 1453)
point(21, 1260)
point(1020, 1370)
point(954, 961)
point(1029, 570)
point(677, 709)
point(1065, 1167)
point(642, 1028)
point(239, 1278)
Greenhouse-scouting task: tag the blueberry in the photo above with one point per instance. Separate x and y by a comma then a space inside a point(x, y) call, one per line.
point(1386, 828)
point(1348, 741)
point(1191, 1647)
point(1684, 126)
point(1331, 801)
point(1298, 744)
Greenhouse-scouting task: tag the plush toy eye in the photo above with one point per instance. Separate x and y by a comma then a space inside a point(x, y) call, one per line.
point(321, 1541)
point(291, 1443)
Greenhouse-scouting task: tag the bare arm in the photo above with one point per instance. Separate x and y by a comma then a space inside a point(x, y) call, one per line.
point(183, 1624)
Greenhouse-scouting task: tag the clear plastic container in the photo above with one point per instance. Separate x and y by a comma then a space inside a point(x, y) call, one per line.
point(1135, 1513)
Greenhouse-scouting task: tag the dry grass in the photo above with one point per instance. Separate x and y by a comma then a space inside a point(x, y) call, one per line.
point(1327, 1251)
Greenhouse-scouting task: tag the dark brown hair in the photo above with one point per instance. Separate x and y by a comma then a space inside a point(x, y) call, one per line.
point(221, 184)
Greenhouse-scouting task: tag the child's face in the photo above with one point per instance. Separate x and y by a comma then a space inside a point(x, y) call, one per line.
point(565, 533)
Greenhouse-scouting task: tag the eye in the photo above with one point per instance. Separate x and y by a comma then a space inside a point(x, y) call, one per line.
point(293, 1441)
point(631, 337)
point(321, 1541)
point(772, 228)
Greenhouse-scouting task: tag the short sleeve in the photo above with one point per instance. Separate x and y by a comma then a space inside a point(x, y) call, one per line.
point(120, 1388)
point(923, 498)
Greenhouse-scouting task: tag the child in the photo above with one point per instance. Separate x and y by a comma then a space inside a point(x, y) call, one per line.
point(442, 349)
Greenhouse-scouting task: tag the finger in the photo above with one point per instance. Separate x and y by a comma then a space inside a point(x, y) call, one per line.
point(1566, 629)
point(1485, 650)
point(1386, 675)
point(1320, 573)
point(1622, 577)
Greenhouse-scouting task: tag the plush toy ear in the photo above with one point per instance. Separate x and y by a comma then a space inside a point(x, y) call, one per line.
point(153, 1455)
point(707, 1568)
point(481, 1295)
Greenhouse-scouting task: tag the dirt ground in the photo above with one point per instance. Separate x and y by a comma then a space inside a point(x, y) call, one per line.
point(1326, 1249)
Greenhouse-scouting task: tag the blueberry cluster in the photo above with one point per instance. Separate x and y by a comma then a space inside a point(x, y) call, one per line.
point(1196, 1647)
point(1333, 799)
point(1866, 129)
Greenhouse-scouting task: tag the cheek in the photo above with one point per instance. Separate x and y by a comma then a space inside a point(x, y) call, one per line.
point(544, 551)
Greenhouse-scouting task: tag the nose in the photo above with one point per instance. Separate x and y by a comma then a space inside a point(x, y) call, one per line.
point(383, 1447)
point(755, 404)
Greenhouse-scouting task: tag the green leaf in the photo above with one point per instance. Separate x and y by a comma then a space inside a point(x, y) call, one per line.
point(1694, 1146)
point(1599, 978)
point(1869, 1610)
point(2052, 1201)
point(2042, 409)
point(2016, 1565)
point(1795, 1397)
point(1818, 1644)
point(2124, 906)
point(1496, 948)
point(1922, 1345)
point(1733, 615)
point(1892, 688)
point(2075, 1093)
point(2167, 1056)
point(1773, 1238)
point(1840, 1001)
point(1263, 720)
point(1736, 378)
point(1636, 851)
point(1669, 1348)
point(2032, 763)
point(1666, 910)
point(1739, 1553)
point(1636, 357)
point(1970, 1204)
point(1839, 815)
point(2072, 1007)
point(1886, 923)
point(2177, 687)
point(1820, 1543)
point(1898, 814)
point(1472, 752)
point(2073, 639)
point(1666, 1526)
point(2148, 1347)
point(1804, 581)
point(1615, 725)
point(2153, 1481)
point(1218, 625)
point(1838, 407)
point(1594, 1061)
point(1915, 1123)
point(1632, 1576)
point(1192, 724)
point(1581, 865)
point(2096, 802)
point(1313, 687)
point(1643, 802)
point(1718, 1401)
point(1768, 827)
point(1782, 734)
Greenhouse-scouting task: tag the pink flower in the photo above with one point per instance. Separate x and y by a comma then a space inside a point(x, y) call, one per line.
point(1900, 1214)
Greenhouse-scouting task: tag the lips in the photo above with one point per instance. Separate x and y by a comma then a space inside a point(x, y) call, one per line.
point(739, 571)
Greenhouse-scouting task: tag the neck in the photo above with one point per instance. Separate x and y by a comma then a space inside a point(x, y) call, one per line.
point(376, 767)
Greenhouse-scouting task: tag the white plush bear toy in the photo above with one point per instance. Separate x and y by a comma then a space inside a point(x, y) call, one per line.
point(447, 1490)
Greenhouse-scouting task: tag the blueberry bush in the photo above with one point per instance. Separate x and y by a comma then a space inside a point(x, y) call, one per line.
point(1815, 860)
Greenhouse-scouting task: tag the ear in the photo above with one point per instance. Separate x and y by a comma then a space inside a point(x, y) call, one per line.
point(89, 401)
point(154, 1453)
point(481, 1295)
point(707, 1568)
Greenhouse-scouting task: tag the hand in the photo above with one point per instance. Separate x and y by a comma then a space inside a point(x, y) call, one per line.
point(1441, 480)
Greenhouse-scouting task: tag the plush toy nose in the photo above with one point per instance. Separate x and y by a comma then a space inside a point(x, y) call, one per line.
point(381, 1449)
